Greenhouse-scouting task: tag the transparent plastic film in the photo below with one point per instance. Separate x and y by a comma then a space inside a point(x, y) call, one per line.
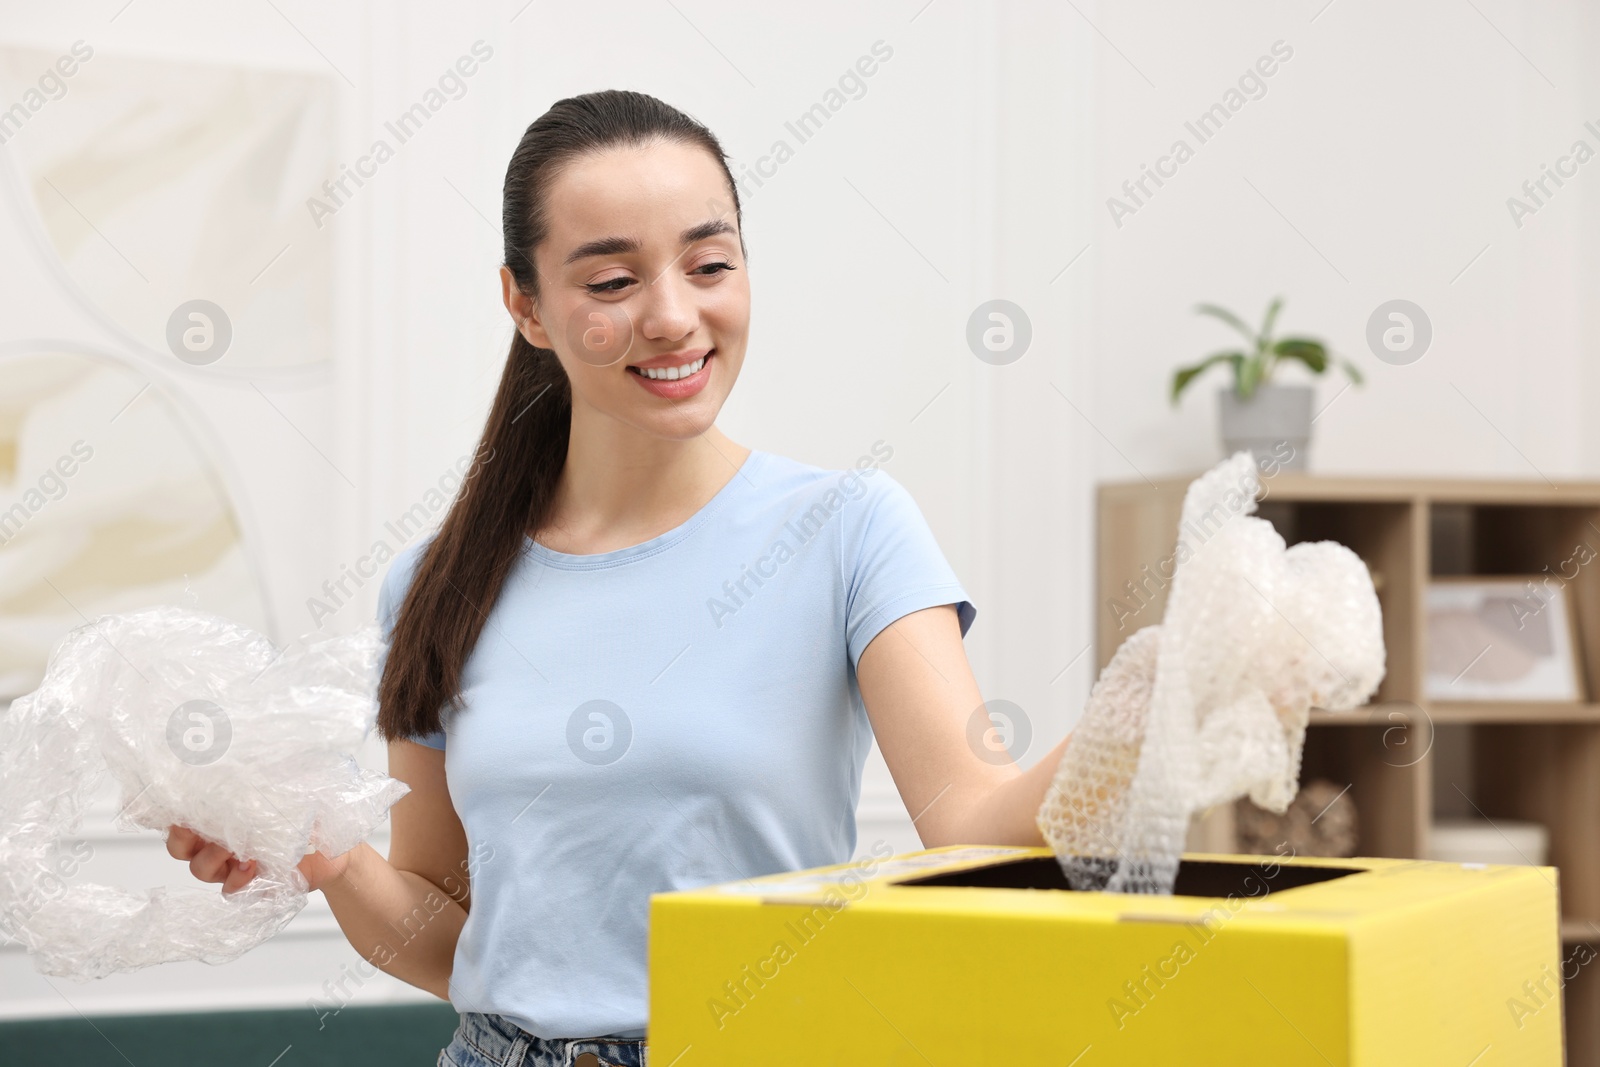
point(199, 723)
point(1212, 703)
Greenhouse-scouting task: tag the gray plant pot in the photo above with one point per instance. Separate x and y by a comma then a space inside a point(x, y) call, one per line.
point(1274, 424)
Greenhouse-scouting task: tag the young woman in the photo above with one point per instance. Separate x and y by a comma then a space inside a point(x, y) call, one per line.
point(638, 656)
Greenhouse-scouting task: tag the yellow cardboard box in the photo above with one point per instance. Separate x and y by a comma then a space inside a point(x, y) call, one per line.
point(972, 955)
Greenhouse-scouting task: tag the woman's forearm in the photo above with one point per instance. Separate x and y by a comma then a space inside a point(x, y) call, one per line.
point(398, 921)
point(1006, 814)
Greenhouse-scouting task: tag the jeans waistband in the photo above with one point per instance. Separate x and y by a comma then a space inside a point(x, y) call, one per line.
point(507, 1044)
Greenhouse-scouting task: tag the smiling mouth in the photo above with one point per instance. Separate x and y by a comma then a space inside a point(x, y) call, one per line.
point(672, 374)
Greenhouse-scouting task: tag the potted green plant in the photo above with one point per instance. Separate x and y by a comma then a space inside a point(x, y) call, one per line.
point(1257, 413)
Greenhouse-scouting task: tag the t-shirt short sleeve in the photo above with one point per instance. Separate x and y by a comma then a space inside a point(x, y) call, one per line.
point(390, 593)
point(895, 566)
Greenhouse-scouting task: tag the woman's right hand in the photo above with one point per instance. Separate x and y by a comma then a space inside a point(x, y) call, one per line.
point(211, 862)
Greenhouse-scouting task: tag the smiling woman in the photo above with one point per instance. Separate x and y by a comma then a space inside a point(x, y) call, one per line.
point(607, 738)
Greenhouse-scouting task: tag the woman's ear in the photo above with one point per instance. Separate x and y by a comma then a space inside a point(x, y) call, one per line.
point(523, 311)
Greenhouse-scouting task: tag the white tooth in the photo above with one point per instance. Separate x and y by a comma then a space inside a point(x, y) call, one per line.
point(672, 374)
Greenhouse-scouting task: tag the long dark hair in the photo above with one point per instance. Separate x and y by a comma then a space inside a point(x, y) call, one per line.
point(513, 474)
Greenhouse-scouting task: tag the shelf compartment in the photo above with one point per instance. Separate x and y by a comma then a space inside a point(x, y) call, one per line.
point(1387, 770)
point(1549, 774)
point(1558, 544)
point(1388, 537)
point(1137, 540)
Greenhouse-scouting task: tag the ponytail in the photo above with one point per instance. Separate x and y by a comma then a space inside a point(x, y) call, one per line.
point(506, 495)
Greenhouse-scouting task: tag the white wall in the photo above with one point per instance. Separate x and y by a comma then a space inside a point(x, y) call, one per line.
point(976, 166)
point(1391, 141)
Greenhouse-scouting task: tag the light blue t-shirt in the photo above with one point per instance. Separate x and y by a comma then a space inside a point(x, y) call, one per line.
point(671, 715)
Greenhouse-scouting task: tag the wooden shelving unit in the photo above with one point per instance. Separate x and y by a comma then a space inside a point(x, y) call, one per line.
point(1407, 759)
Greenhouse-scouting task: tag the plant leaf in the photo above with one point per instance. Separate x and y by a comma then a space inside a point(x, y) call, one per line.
point(1311, 353)
point(1231, 319)
point(1272, 317)
point(1248, 376)
point(1351, 369)
point(1183, 376)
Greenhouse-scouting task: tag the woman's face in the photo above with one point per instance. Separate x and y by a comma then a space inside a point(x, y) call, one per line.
point(643, 293)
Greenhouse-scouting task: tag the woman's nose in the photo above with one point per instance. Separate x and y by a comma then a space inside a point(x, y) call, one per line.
point(669, 309)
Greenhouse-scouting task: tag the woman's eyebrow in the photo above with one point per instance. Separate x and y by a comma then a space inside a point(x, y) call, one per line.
point(613, 246)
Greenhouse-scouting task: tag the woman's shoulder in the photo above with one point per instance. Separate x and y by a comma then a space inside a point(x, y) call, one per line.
point(402, 567)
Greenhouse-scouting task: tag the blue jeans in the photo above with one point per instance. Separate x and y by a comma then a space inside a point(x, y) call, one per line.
point(486, 1040)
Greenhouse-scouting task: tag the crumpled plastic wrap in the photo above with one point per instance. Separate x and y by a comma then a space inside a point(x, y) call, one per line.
point(201, 723)
point(1212, 703)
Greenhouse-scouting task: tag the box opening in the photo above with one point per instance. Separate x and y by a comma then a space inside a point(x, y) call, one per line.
point(1246, 877)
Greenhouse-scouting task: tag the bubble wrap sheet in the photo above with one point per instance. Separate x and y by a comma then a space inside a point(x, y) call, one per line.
point(200, 723)
point(1211, 703)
